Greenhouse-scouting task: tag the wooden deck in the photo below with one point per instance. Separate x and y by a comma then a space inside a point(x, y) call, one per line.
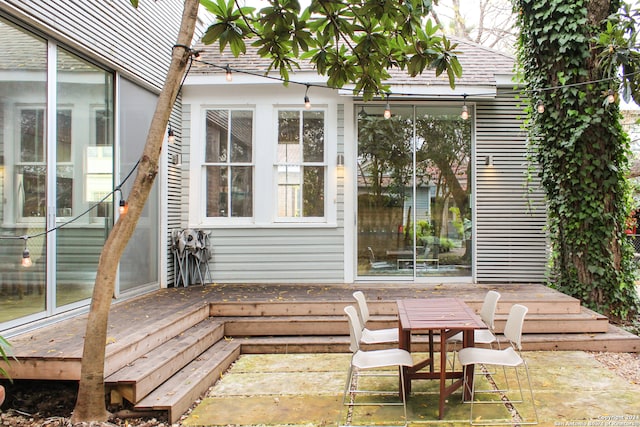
point(166, 348)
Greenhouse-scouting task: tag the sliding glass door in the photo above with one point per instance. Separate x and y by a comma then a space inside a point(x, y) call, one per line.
point(56, 175)
point(414, 192)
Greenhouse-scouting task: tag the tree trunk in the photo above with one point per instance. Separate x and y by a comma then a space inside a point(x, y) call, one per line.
point(582, 151)
point(90, 405)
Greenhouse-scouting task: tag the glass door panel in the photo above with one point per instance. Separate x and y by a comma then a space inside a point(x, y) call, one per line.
point(385, 181)
point(23, 172)
point(443, 185)
point(84, 174)
point(414, 212)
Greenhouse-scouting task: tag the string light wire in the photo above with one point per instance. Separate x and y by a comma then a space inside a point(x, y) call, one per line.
point(227, 68)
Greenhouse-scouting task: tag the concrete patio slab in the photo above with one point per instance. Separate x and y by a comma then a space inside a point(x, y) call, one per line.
point(570, 388)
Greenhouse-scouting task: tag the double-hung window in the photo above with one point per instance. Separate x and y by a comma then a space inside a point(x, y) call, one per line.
point(228, 163)
point(31, 165)
point(301, 166)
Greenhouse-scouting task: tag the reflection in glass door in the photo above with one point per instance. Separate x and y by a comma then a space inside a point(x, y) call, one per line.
point(83, 175)
point(414, 212)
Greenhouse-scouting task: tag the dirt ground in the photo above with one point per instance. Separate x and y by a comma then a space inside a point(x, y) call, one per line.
point(49, 404)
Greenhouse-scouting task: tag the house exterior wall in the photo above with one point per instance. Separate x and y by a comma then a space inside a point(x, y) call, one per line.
point(265, 250)
point(113, 32)
point(511, 213)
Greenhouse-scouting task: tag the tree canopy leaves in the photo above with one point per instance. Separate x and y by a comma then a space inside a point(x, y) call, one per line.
point(351, 42)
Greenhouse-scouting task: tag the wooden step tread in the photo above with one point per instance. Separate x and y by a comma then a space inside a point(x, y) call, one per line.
point(179, 392)
point(140, 377)
point(148, 336)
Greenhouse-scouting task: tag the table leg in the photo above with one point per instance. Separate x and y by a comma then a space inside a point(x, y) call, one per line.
point(443, 372)
point(404, 342)
point(430, 350)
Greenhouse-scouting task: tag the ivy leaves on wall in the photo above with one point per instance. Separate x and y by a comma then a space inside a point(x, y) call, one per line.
point(581, 149)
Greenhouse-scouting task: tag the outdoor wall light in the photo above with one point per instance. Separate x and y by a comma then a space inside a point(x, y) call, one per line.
point(340, 160)
point(176, 159)
point(171, 138)
point(488, 160)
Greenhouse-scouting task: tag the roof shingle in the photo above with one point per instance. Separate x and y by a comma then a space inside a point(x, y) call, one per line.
point(480, 65)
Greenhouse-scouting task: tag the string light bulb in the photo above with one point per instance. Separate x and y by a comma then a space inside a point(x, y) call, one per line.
point(26, 255)
point(387, 109)
point(465, 110)
point(228, 74)
point(124, 207)
point(26, 258)
point(171, 137)
point(540, 106)
point(611, 96)
point(307, 103)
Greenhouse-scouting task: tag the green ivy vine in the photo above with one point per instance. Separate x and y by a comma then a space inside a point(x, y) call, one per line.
point(581, 150)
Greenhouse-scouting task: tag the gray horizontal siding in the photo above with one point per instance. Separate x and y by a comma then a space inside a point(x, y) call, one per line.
point(277, 255)
point(137, 42)
point(511, 216)
point(174, 182)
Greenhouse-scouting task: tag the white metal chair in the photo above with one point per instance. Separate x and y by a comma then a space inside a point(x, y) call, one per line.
point(373, 360)
point(482, 336)
point(372, 336)
point(509, 357)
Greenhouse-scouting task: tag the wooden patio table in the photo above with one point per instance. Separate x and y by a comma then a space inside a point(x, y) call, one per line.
point(446, 316)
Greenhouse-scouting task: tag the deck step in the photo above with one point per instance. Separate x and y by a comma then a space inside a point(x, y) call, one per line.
point(584, 321)
point(179, 392)
point(140, 377)
point(587, 321)
point(141, 340)
point(614, 339)
point(286, 325)
point(555, 303)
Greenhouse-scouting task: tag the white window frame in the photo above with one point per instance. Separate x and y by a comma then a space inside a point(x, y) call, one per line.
point(265, 119)
point(324, 164)
point(18, 164)
point(201, 165)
